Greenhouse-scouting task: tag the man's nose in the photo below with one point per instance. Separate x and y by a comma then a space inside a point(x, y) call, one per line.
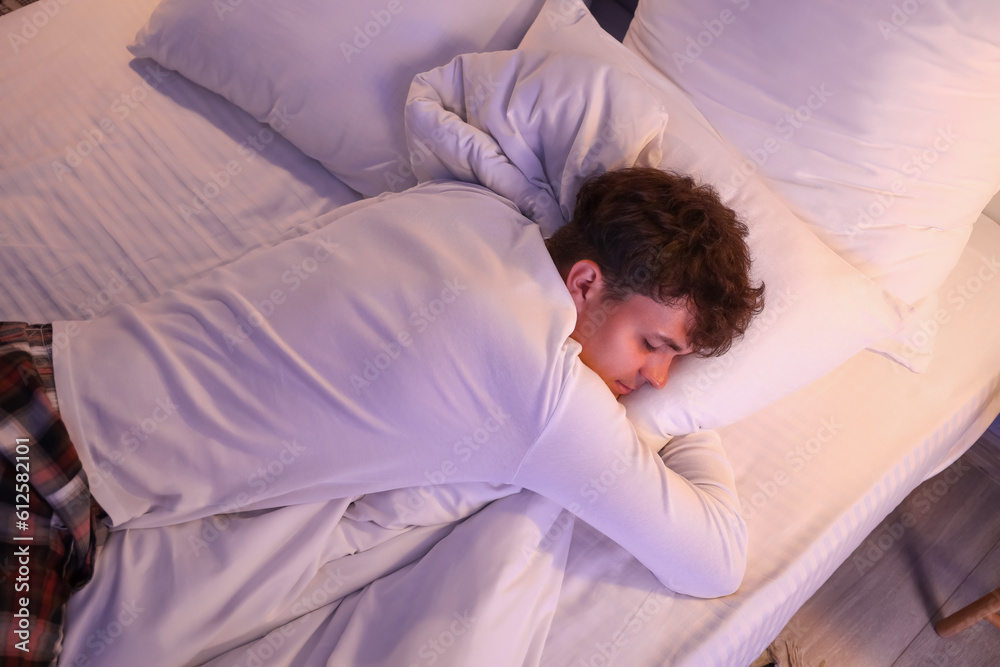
point(655, 371)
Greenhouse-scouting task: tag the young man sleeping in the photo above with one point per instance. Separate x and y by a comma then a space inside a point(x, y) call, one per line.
point(426, 336)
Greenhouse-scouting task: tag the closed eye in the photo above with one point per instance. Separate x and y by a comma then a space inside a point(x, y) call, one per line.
point(649, 346)
point(666, 341)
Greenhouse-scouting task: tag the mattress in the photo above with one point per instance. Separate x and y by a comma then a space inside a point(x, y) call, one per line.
point(120, 179)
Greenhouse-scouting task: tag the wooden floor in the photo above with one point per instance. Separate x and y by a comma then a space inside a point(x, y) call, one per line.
point(936, 553)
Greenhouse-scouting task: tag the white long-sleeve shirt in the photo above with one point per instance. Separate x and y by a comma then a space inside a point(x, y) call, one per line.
point(419, 338)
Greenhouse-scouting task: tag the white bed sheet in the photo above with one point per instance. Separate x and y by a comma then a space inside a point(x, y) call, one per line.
point(105, 161)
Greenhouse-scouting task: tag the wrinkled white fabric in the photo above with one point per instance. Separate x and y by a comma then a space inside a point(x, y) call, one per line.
point(520, 123)
point(419, 339)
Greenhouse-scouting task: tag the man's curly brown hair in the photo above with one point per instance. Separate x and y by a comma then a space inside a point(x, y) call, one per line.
point(664, 236)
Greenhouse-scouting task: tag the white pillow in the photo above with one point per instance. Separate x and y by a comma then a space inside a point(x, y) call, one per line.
point(820, 310)
point(913, 346)
point(877, 122)
point(332, 77)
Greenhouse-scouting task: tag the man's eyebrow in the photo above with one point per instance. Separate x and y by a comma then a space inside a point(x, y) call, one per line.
point(671, 343)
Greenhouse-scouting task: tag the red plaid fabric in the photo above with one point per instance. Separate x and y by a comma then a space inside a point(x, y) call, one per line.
point(7, 6)
point(47, 518)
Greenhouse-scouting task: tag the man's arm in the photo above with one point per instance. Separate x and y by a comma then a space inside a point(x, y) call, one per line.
point(700, 460)
point(682, 522)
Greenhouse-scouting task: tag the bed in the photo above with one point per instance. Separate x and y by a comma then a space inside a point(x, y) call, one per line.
point(874, 367)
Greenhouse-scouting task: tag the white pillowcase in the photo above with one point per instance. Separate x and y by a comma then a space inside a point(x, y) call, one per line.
point(820, 310)
point(332, 77)
point(913, 346)
point(877, 122)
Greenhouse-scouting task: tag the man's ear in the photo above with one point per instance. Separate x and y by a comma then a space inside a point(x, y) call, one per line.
point(585, 283)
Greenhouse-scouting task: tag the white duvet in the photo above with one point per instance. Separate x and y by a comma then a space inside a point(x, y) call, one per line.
point(447, 575)
point(432, 575)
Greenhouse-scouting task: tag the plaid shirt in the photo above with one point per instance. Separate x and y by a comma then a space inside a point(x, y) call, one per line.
point(47, 518)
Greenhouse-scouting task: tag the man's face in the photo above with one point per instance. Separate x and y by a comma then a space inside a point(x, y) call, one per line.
point(627, 343)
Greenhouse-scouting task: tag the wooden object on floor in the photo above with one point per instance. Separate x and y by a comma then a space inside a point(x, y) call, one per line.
point(985, 607)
